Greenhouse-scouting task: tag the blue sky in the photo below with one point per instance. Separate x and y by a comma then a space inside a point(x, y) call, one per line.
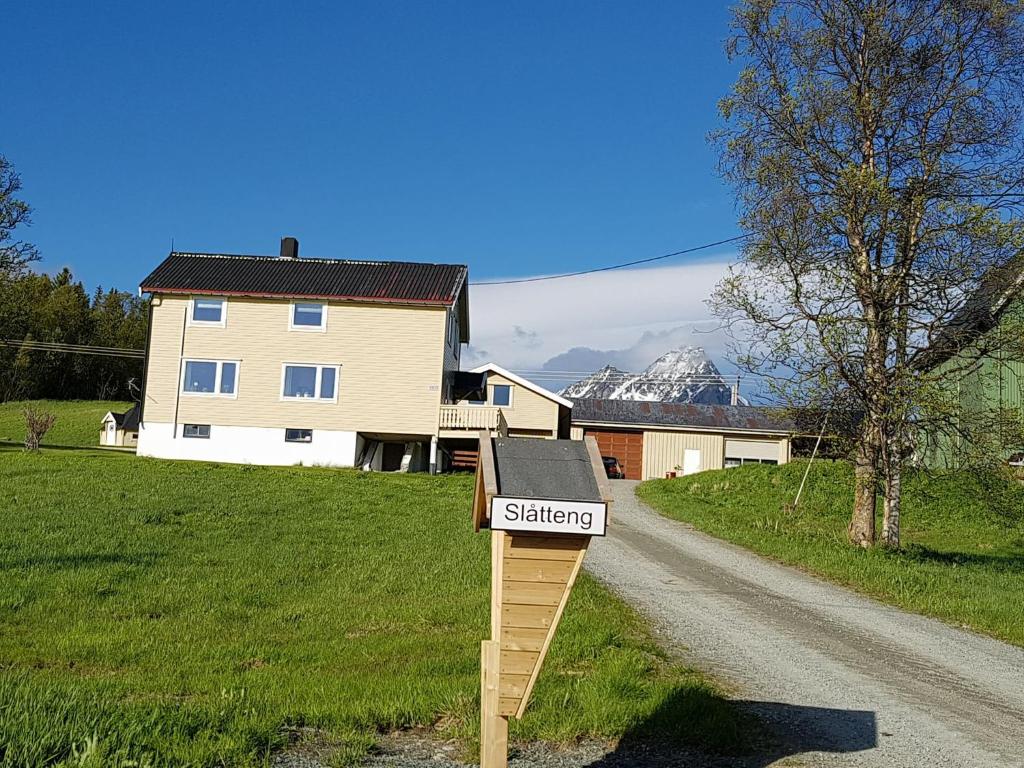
point(518, 138)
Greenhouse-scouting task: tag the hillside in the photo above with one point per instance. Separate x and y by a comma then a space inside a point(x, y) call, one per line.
point(180, 613)
point(684, 375)
point(78, 421)
point(963, 535)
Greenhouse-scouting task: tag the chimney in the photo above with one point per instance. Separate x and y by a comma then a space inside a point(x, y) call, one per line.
point(289, 248)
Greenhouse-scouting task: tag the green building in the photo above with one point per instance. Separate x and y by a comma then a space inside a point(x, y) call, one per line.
point(980, 359)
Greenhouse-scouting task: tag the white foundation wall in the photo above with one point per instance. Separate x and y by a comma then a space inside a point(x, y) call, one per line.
point(249, 445)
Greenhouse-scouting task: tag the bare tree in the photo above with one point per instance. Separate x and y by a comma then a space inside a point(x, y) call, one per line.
point(876, 151)
point(37, 424)
point(14, 212)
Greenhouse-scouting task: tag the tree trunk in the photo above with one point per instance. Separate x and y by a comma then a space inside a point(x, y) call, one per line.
point(861, 530)
point(891, 505)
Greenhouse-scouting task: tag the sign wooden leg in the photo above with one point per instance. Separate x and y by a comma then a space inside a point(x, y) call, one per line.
point(493, 726)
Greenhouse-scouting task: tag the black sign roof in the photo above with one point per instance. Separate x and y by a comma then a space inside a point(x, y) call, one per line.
point(545, 469)
point(378, 281)
point(737, 418)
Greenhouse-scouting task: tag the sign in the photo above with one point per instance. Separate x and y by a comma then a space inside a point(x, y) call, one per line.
point(587, 518)
point(553, 496)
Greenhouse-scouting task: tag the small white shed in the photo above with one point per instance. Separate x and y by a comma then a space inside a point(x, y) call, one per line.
point(120, 429)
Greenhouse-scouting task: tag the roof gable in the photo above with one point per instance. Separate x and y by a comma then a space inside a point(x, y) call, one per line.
point(525, 383)
point(374, 281)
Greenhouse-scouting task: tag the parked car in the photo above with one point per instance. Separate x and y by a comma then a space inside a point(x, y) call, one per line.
point(613, 468)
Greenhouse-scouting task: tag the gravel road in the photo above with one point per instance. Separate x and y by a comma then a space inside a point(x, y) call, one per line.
point(841, 680)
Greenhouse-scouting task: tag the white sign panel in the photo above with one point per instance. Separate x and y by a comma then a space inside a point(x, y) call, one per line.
point(509, 513)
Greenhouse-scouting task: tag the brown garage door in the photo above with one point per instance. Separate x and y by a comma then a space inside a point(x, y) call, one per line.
point(627, 447)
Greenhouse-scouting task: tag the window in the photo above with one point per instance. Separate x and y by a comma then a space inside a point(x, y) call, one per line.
point(210, 377)
point(207, 311)
point(731, 461)
point(315, 382)
point(308, 316)
point(501, 394)
point(196, 430)
point(298, 435)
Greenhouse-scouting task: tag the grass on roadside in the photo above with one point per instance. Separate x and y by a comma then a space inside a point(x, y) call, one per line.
point(963, 535)
point(178, 613)
point(78, 421)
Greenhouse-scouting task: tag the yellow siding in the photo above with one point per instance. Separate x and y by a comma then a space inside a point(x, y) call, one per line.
point(576, 433)
point(663, 451)
point(391, 360)
point(529, 411)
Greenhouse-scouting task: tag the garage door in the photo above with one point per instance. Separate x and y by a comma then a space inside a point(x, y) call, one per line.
point(627, 447)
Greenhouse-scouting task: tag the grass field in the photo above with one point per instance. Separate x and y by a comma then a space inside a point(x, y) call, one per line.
point(78, 421)
point(963, 559)
point(176, 613)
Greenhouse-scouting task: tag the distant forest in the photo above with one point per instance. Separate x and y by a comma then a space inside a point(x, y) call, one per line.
point(45, 308)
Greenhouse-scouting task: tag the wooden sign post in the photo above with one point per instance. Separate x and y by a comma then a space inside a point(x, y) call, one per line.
point(543, 501)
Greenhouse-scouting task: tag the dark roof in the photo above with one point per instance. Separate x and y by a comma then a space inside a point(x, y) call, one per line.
point(545, 469)
point(386, 281)
point(980, 314)
point(744, 418)
point(129, 420)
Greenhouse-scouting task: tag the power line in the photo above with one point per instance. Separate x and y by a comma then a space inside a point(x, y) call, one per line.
point(75, 349)
point(614, 266)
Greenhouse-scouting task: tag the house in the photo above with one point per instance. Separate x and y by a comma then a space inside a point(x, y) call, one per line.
point(980, 357)
point(287, 360)
point(498, 401)
point(120, 429)
point(651, 439)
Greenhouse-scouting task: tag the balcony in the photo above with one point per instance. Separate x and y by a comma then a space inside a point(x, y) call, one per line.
point(472, 418)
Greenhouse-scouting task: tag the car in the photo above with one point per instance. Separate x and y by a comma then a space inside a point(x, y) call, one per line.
point(613, 468)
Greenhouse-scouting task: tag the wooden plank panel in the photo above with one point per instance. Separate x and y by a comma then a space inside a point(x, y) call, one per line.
point(518, 662)
point(626, 446)
point(557, 571)
point(527, 616)
point(513, 686)
point(544, 547)
point(508, 707)
point(531, 593)
point(523, 638)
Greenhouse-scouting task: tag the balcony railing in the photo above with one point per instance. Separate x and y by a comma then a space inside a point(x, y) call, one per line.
point(471, 417)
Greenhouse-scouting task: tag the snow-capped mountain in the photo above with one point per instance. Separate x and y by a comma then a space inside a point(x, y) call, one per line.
point(684, 375)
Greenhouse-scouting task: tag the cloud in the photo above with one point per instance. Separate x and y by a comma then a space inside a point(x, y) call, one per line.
point(525, 338)
point(625, 317)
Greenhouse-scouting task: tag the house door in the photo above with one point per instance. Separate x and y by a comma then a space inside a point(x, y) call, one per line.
point(109, 440)
point(691, 461)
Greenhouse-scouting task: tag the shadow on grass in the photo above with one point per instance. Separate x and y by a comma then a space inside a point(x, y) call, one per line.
point(765, 732)
point(998, 561)
point(108, 450)
point(81, 560)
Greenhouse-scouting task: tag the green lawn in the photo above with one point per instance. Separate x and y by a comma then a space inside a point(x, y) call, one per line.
point(78, 421)
point(963, 559)
point(177, 613)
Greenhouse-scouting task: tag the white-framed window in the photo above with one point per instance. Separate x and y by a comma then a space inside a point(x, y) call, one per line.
point(298, 435)
point(733, 461)
point(309, 381)
point(210, 378)
point(308, 316)
point(208, 310)
point(196, 430)
point(501, 394)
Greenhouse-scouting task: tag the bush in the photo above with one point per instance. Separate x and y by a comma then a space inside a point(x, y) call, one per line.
point(37, 424)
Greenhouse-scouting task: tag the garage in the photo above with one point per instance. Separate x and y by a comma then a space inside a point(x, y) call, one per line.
point(626, 446)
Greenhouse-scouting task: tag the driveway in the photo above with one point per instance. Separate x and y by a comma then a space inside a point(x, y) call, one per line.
point(839, 679)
